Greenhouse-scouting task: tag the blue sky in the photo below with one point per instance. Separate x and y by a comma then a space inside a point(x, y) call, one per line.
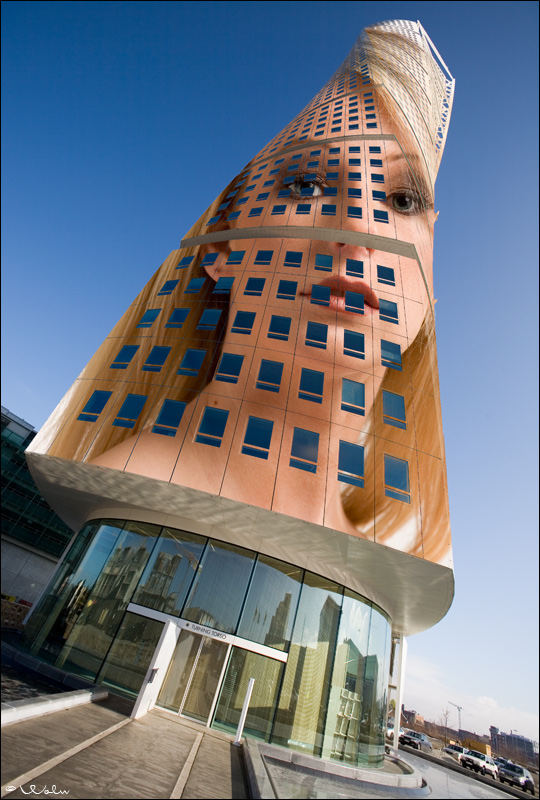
point(121, 123)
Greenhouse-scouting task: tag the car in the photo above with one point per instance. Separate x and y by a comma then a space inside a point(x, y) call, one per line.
point(479, 762)
point(414, 739)
point(390, 731)
point(501, 762)
point(516, 775)
point(453, 749)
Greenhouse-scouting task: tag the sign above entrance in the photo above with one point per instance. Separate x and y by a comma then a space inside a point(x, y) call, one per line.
point(204, 631)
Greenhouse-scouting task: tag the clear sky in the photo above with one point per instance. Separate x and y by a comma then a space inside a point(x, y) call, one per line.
point(121, 123)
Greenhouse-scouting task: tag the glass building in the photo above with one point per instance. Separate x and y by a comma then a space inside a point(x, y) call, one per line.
point(254, 457)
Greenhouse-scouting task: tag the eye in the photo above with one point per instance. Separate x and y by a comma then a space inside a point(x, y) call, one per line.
point(406, 201)
point(307, 186)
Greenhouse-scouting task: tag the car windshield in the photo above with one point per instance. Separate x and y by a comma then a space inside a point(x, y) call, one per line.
point(477, 754)
point(515, 769)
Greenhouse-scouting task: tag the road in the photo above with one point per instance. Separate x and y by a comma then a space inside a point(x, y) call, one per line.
point(445, 783)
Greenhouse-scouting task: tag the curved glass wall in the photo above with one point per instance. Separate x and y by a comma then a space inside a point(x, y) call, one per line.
point(327, 698)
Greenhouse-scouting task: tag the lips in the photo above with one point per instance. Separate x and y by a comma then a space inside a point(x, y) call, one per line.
point(339, 285)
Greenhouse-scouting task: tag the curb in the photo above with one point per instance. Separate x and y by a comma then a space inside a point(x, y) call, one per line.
point(19, 710)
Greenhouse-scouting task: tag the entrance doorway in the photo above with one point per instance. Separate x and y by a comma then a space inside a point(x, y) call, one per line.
point(194, 676)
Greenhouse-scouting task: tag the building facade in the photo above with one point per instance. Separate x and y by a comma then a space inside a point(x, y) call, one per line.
point(254, 457)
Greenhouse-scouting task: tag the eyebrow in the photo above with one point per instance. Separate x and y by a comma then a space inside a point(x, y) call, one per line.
point(417, 170)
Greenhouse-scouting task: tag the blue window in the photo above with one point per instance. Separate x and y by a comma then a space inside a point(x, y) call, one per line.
point(330, 191)
point(284, 193)
point(213, 220)
point(316, 335)
point(354, 211)
point(186, 261)
point(279, 328)
point(353, 127)
point(351, 192)
point(270, 374)
point(354, 149)
point(209, 319)
point(169, 417)
point(264, 257)
point(354, 268)
point(192, 362)
point(296, 155)
point(355, 176)
point(269, 183)
point(124, 356)
point(304, 450)
point(394, 410)
point(194, 286)
point(287, 290)
point(315, 153)
point(177, 318)
point(223, 285)
point(376, 177)
point(353, 396)
point(209, 259)
point(303, 208)
point(354, 162)
point(351, 463)
point(354, 301)
point(334, 150)
point(374, 149)
point(94, 406)
point(353, 344)
point(335, 130)
point(167, 288)
point(388, 311)
point(243, 322)
point(390, 355)
point(148, 318)
point(333, 162)
point(396, 479)
point(263, 196)
point(258, 437)
point(312, 164)
point(292, 259)
point(328, 210)
point(386, 275)
point(156, 359)
point(255, 286)
point(274, 171)
point(229, 368)
point(320, 295)
point(256, 212)
point(380, 216)
point(276, 210)
point(236, 257)
point(323, 262)
point(378, 195)
point(131, 408)
point(311, 385)
point(234, 215)
point(249, 188)
point(241, 202)
point(375, 162)
point(212, 426)
point(331, 176)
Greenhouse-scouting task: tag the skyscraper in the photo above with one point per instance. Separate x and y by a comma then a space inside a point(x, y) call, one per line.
point(265, 417)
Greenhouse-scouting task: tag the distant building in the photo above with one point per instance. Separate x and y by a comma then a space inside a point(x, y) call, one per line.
point(33, 536)
point(512, 745)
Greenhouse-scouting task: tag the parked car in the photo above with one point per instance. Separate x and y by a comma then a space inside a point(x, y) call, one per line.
point(479, 762)
point(414, 739)
point(453, 749)
point(501, 762)
point(516, 775)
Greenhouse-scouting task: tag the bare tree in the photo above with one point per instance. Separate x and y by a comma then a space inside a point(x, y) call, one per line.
point(444, 723)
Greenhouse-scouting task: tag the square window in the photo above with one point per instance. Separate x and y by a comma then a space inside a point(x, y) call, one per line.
point(292, 259)
point(209, 259)
point(316, 335)
point(315, 153)
point(396, 479)
point(311, 385)
point(255, 212)
point(276, 210)
point(320, 295)
point(355, 212)
point(323, 262)
point(264, 257)
point(376, 177)
point(354, 302)
point(167, 287)
point(209, 319)
point(330, 191)
point(223, 285)
point(284, 193)
point(235, 257)
point(296, 155)
point(148, 318)
point(269, 183)
point(378, 195)
point(354, 162)
point(390, 355)
point(156, 359)
point(332, 176)
point(353, 344)
point(229, 368)
point(243, 322)
point(375, 162)
point(386, 275)
point(312, 164)
point(255, 286)
point(212, 426)
point(287, 290)
point(353, 396)
point(304, 450)
point(124, 356)
point(355, 176)
point(233, 215)
point(131, 408)
point(333, 162)
point(388, 311)
point(328, 210)
point(374, 149)
point(177, 318)
point(303, 208)
point(351, 463)
point(194, 286)
point(186, 261)
point(352, 192)
point(380, 216)
point(394, 410)
point(191, 362)
point(262, 196)
point(258, 437)
point(94, 406)
point(213, 220)
point(354, 268)
point(169, 417)
point(279, 328)
point(270, 374)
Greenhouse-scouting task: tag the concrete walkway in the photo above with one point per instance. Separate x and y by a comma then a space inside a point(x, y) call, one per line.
point(98, 751)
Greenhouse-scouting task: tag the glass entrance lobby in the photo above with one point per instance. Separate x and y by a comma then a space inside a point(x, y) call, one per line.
point(319, 653)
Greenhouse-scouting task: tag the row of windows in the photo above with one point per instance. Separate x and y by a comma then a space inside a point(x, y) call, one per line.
point(257, 440)
point(330, 175)
point(326, 209)
point(332, 151)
